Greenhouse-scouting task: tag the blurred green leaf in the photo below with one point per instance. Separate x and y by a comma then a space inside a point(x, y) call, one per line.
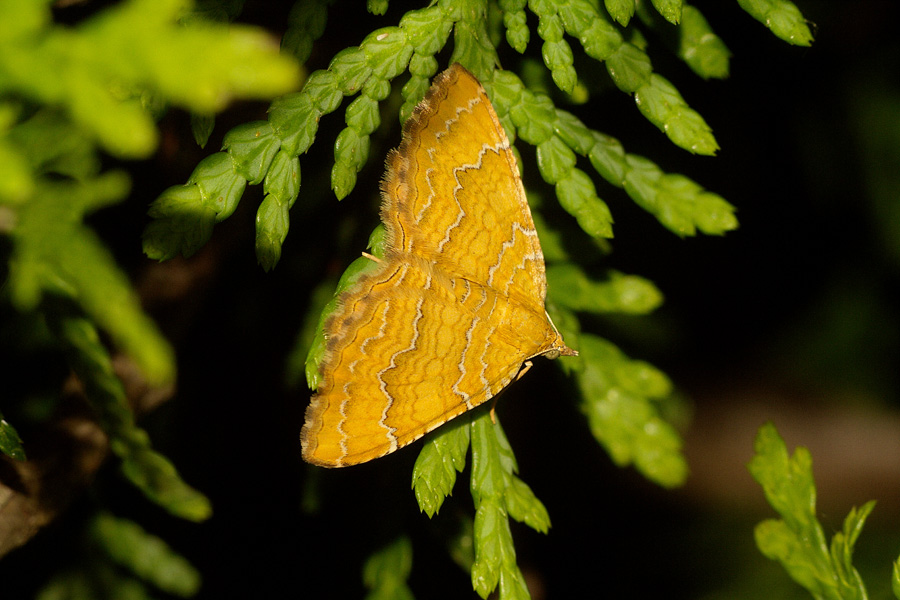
point(620, 293)
point(148, 470)
point(55, 253)
point(703, 51)
point(10, 442)
point(386, 571)
point(145, 555)
point(200, 67)
point(618, 399)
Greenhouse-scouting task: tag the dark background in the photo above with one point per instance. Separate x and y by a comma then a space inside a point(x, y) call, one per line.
point(791, 318)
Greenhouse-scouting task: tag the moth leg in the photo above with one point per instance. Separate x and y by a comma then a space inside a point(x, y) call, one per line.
point(525, 368)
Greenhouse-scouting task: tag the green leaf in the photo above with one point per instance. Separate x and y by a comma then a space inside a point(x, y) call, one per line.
point(554, 159)
point(252, 147)
point(427, 29)
point(629, 67)
point(498, 495)
point(388, 51)
point(669, 9)
point(343, 179)
point(601, 39)
point(443, 455)
point(295, 365)
point(145, 555)
point(472, 42)
point(10, 442)
point(577, 16)
point(577, 195)
point(558, 58)
point(272, 224)
point(351, 150)
point(523, 506)
point(608, 158)
point(493, 544)
point(283, 178)
point(202, 127)
point(533, 117)
point(377, 7)
point(516, 22)
point(663, 106)
point(620, 10)
point(619, 395)
point(295, 119)
point(352, 70)
point(782, 17)
point(413, 92)
point(181, 223)
point(362, 115)
point(386, 571)
point(306, 23)
point(680, 204)
point(620, 293)
point(574, 133)
point(323, 89)
point(220, 187)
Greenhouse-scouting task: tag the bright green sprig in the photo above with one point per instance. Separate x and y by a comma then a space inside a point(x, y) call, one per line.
point(443, 455)
point(386, 571)
point(128, 545)
point(515, 22)
point(627, 64)
point(472, 44)
point(556, 51)
point(499, 494)
point(620, 10)
point(531, 116)
point(671, 10)
point(782, 17)
point(497, 491)
point(680, 204)
point(797, 540)
point(662, 104)
point(148, 470)
point(619, 396)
